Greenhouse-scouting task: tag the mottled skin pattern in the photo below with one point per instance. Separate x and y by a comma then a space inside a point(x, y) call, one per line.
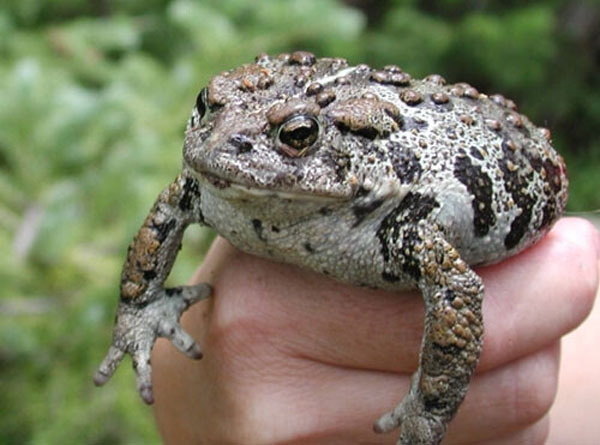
point(369, 176)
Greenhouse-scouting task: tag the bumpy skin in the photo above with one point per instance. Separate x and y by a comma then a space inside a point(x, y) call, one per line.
point(369, 176)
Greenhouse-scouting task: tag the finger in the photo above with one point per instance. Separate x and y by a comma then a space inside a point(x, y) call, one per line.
point(181, 339)
point(530, 435)
point(328, 404)
point(198, 292)
point(143, 371)
point(191, 294)
point(541, 294)
point(108, 366)
point(531, 300)
point(508, 399)
point(577, 402)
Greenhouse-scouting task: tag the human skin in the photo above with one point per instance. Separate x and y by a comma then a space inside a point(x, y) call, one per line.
point(291, 356)
point(576, 410)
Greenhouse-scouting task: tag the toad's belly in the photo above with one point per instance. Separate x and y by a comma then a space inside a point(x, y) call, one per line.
point(327, 237)
point(324, 239)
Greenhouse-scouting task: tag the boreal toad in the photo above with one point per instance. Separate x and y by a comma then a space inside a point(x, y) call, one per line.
point(369, 176)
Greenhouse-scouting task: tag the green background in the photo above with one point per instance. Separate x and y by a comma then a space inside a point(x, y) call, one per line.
point(94, 96)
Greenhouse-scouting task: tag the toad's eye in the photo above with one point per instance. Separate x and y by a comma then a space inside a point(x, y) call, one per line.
point(297, 134)
point(201, 102)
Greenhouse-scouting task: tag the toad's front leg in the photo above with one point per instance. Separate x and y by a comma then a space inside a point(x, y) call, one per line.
point(146, 309)
point(452, 338)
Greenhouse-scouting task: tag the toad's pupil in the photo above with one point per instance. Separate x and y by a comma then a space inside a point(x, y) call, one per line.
point(201, 103)
point(299, 134)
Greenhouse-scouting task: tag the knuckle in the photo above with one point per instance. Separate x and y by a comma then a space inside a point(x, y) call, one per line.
point(537, 385)
point(579, 253)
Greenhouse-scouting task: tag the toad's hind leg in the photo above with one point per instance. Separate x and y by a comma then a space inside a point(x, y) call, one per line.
point(451, 344)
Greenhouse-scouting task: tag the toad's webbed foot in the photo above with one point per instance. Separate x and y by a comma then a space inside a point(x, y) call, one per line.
point(418, 426)
point(138, 325)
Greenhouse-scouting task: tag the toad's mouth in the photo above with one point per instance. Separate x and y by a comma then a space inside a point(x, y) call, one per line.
point(230, 189)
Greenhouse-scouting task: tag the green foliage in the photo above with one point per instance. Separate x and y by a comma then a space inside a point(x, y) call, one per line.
point(512, 49)
point(95, 95)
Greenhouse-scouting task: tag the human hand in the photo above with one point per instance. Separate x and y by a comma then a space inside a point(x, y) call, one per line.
point(291, 356)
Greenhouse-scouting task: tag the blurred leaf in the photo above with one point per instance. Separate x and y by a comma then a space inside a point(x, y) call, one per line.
point(411, 39)
point(512, 49)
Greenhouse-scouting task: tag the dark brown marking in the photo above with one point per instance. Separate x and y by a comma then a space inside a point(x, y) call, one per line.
point(478, 184)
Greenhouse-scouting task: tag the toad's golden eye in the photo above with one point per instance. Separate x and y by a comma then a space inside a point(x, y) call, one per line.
point(297, 134)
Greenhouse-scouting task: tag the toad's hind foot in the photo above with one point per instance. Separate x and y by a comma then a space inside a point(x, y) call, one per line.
point(417, 424)
point(139, 324)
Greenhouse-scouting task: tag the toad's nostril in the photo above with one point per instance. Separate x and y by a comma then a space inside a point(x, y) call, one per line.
point(241, 142)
